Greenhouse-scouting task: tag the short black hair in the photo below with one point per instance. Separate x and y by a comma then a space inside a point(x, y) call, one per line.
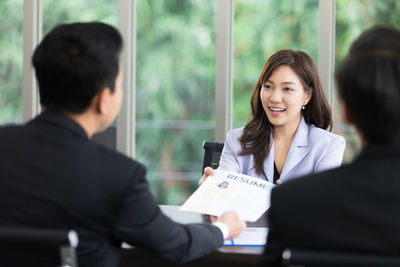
point(74, 62)
point(369, 84)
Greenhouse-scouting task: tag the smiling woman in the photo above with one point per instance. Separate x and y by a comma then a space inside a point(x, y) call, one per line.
point(283, 96)
point(286, 136)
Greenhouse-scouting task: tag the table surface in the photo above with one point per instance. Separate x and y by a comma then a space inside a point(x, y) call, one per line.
point(192, 217)
point(225, 256)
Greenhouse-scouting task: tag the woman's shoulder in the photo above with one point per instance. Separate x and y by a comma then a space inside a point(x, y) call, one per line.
point(232, 137)
point(235, 132)
point(319, 134)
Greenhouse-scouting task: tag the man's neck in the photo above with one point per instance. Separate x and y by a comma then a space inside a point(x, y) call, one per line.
point(87, 120)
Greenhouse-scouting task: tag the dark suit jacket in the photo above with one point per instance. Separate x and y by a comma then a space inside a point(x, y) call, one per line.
point(352, 208)
point(53, 176)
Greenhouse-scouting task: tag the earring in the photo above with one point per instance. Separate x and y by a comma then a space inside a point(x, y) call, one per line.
point(303, 107)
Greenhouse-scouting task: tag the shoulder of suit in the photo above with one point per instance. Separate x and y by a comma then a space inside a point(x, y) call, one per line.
point(10, 127)
point(327, 181)
point(232, 137)
point(116, 157)
point(319, 134)
point(236, 132)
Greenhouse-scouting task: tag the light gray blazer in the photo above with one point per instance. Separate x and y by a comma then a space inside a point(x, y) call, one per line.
point(312, 150)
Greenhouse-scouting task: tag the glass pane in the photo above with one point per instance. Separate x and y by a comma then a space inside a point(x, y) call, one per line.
point(11, 58)
point(353, 17)
point(175, 93)
point(68, 11)
point(261, 29)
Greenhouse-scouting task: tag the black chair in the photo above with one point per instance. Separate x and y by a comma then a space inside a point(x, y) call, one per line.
point(212, 153)
point(310, 258)
point(37, 247)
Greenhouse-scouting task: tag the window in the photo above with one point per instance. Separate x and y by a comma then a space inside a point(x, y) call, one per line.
point(352, 18)
point(262, 28)
point(67, 11)
point(176, 68)
point(11, 57)
point(174, 93)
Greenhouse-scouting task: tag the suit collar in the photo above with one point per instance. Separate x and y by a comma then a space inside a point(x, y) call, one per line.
point(269, 162)
point(60, 121)
point(298, 150)
point(379, 152)
point(300, 139)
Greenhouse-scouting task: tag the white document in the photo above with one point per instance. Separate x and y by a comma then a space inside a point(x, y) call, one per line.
point(248, 196)
point(251, 236)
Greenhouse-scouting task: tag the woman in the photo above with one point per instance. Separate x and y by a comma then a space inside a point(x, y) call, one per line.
point(287, 134)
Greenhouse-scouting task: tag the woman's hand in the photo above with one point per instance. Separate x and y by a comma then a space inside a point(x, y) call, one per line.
point(208, 171)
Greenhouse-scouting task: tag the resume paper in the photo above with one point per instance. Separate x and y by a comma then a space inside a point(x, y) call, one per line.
point(248, 196)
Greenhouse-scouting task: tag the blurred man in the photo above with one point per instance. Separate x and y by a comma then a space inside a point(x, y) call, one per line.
point(53, 176)
point(354, 208)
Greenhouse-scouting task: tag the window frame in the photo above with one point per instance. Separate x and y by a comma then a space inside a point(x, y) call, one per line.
point(126, 121)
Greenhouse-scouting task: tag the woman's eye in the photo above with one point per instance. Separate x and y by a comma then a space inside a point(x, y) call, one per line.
point(266, 86)
point(287, 89)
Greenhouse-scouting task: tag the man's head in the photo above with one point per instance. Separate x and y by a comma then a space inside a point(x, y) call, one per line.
point(369, 85)
point(74, 62)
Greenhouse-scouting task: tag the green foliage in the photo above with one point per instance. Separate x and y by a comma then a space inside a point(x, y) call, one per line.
point(176, 40)
point(68, 11)
point(175, 90)
point(261, 28)
point(11, 56)
point(352, 18)
point(11, 43)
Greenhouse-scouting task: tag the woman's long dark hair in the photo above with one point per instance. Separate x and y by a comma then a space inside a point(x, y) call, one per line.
point(256, 134)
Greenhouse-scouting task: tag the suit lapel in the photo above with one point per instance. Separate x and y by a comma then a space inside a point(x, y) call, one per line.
point(299, 148)
point(269, 163)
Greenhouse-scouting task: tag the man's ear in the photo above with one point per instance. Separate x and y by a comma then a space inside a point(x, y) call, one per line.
point(347, 113)
point(102, 99)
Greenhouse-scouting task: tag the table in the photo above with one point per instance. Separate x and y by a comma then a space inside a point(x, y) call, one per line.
point(224, 256)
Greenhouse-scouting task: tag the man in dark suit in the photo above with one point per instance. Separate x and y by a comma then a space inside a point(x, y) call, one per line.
point(53, 176)
point(356, 207)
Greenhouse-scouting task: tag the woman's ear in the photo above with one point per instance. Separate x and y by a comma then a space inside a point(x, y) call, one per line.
point(308, 97)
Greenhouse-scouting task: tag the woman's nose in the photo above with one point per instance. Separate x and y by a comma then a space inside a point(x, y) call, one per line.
point(276, 96)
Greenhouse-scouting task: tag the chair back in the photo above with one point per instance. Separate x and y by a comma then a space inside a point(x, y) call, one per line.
point(212, 153)
point(38, 247)
point(310, 258)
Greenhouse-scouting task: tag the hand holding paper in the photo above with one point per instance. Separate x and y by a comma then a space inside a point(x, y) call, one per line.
point(208, 171)
point(248, 196)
